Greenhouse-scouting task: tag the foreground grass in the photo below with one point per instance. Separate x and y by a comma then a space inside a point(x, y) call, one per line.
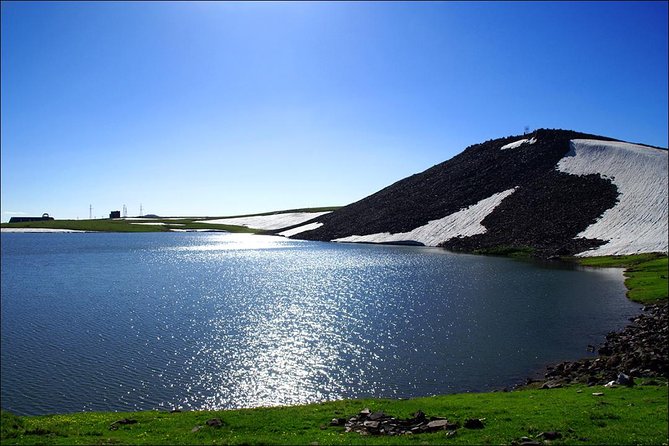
point(636, 415)
point(646, 275)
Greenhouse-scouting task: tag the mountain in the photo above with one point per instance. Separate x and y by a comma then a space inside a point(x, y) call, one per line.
point(553, 192)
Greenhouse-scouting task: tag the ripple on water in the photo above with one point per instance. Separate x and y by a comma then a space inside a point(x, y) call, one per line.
point(210, 321)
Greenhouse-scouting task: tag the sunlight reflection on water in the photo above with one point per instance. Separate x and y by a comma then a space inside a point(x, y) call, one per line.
point(233, 242)
point(212, 321)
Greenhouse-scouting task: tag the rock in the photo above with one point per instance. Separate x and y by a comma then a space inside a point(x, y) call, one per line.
point(550, 435)
point(474, 423)
point(371, 424)
point(196, 428)
point(337, 422)
point(624, 380)
point(419, 416)
point(597, 394)
point(116, 423)
point(215, 422)
point(376, 416)
point(437, 425)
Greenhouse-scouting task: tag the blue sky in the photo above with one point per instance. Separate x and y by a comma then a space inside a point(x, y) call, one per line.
point(227, 108)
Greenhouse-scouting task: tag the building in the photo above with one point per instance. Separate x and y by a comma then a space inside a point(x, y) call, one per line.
point(115, 214)
point(44, 217)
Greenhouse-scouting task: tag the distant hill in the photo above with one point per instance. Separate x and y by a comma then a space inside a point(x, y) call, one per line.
point(551, 192)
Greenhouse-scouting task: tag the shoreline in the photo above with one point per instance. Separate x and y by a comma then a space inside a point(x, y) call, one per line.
point(639, 350)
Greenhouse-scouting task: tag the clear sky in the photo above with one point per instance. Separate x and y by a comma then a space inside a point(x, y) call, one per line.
point(217, 109)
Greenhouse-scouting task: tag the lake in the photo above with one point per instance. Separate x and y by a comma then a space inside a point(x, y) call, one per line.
point(121, 322)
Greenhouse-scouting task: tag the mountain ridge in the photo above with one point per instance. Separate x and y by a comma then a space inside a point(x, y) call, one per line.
point(543, 208)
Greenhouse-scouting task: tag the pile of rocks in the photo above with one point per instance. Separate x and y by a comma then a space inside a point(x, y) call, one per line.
point(378, 423)
point(640, 350)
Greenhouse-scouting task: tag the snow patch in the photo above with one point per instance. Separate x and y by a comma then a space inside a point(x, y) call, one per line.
point(268, 222)
point(466, 222)
point(303, 228)
point(638, 222)
point(155, 223)
point(516, 144)
point(196, 230)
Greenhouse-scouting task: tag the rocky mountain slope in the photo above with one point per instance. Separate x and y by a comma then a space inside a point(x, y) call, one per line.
point(557, 192)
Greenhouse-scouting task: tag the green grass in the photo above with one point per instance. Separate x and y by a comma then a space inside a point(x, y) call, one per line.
point(106, 225)
point(507, 251)
point(84, 225)
point(636, 415)
point(646, 274)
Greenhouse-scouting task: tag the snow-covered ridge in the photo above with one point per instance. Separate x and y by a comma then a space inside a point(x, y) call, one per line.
point(465, 222)
point(516, 144)
point(268, 222)
point(638, 223)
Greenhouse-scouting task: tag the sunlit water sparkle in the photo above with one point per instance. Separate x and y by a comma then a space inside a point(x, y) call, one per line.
point(210, 320)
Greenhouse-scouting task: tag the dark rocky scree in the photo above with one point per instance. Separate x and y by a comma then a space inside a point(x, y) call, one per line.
point(546, 212)
point(640, 350)
point(378, 423)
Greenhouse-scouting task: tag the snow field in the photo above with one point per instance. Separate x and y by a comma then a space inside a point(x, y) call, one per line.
point(465, 222)
point(303, 228)
point(638, 223)
point(516, 144)
point(268, 222)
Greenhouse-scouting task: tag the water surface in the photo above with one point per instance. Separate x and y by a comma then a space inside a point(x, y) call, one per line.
point(208, 321)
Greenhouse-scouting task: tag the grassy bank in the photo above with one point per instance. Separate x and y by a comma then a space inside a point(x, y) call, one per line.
point(119, 225)
point(620, 416)
point(646, 274)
